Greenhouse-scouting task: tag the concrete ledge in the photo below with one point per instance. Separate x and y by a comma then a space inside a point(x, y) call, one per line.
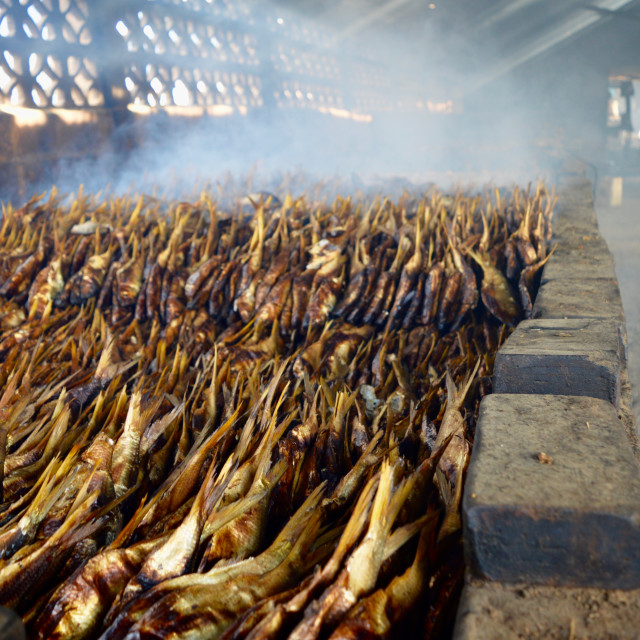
point(552, 494)
point(575, 204)
point(580, 255)
point(571, 298)
point(495, 611)
point(578, 357)
point(569, 518)
point(580, 252)
point(579, 281)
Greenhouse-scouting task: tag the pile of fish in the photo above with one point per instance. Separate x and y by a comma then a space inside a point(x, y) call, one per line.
point(248, 422)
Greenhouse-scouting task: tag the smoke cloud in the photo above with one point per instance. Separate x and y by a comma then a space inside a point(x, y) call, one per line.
point(444, 117)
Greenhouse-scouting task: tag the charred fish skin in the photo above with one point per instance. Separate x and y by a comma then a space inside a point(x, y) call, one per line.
point(20, 280)
point(432, 287)
point(497, 294)
point(78, 606)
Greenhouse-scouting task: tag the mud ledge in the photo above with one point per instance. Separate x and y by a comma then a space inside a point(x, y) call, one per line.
point(551, 510)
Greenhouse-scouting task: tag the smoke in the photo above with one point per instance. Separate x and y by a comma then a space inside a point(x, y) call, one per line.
point(443, 110)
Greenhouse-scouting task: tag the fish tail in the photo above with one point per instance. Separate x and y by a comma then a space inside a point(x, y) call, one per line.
point(57, 431)
point(359, 518)
point(451, 496)
point(107, 368)
point(246, 435)
point(384, 495)
point(540, 264)
point(212, 392)
point(41, 505)
point(403, 534)
point(468, 381)
point(400, 495)
point(300, 518)
point(44, 485)
point(455, 397)
point(268, 442)
point(271, 392)
point(276, 472)
point(79, 524)
point(122, 538)
point(228, 513)
point(418, 247)
point(307, 536)
point(213, 487)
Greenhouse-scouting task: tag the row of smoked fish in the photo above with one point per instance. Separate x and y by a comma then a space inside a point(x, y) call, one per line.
point(250, 422)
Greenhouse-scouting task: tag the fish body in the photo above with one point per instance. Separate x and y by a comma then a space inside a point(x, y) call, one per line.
point(30, 573)
point(87, 282)
point(200, 275)
point(77, 607)
point(205, 611)
point(128, 281)
point(46, 287)
point(21, 278)
point(432, 289)
point(497, 293)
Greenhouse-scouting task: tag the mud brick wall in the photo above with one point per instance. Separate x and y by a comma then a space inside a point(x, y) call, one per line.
point(551, 508)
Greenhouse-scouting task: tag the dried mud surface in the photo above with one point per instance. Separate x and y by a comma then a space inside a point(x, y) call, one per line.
point(524, 612)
